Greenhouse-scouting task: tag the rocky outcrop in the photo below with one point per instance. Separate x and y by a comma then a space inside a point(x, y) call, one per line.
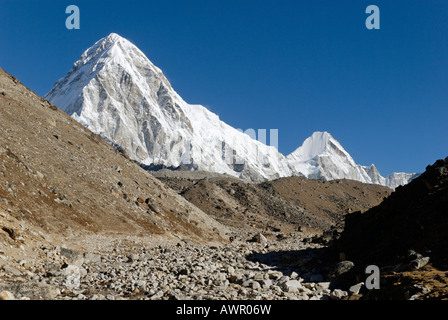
point(414, 217)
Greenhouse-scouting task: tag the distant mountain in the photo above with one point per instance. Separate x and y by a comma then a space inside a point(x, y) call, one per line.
point(117, 92)
point(322, 157)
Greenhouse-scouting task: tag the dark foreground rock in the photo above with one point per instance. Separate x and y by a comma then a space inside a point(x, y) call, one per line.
point(406, 236)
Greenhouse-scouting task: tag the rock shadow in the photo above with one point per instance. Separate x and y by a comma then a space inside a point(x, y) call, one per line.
point(309, 264)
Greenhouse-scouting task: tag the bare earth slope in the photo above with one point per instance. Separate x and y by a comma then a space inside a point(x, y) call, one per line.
point(283, 204)
point(59, 182)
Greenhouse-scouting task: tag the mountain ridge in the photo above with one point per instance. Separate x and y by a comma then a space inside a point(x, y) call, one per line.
point(117, 92)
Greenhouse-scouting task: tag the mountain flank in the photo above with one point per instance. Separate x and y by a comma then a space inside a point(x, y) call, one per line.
point(288, 204)
point(60, 181)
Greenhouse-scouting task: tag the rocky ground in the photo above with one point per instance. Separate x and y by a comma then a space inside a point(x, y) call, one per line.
point(279, 267)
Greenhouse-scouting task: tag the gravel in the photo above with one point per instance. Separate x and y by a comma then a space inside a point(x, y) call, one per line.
point(182, 271)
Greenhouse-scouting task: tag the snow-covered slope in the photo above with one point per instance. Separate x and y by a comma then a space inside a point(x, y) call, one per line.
point(116, 91)
point(397, 179)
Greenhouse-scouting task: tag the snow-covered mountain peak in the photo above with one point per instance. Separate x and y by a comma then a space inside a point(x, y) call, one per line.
point(319, 144)
point(113, 37)
point(102, 48)
point(113, 50)
point(117, 92)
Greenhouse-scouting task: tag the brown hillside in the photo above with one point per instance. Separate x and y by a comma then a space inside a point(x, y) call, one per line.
point(285, 204)
point(59, 181)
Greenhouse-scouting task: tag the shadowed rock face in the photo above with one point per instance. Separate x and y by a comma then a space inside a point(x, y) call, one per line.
point(414, 217)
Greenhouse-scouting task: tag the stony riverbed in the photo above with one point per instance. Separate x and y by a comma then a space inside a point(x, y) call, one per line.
point(240, 270)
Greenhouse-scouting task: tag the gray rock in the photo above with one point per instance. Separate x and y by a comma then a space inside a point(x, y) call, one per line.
point(303, 296)
point(419, 263)
point(291, 286)
point(342, 267)
point(273, 274)
point(266, 283)
point(255, 285)
point(12, 271)
point(343, 275)
point(356, 289)
point(72, 275)
point(247, 283)
point(231, 270)
point(294, 275)
point(412, 255)
point(424, 289)
point(323, 285)
point(39, 175)
point(92, 257)
point(338, 294)
point(260, 238)
point(133, 257)
point(64, 201)
point(33, 290)
point(72, 257)
point(283, 279)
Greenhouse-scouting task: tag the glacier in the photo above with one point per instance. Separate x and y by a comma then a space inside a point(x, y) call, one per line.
point(117, 92)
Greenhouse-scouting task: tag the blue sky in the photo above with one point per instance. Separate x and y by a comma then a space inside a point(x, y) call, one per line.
point(296, 66)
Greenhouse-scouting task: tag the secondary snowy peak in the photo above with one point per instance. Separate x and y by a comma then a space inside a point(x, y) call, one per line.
point(116, 91)
point(322, 157)
point(319, 144)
